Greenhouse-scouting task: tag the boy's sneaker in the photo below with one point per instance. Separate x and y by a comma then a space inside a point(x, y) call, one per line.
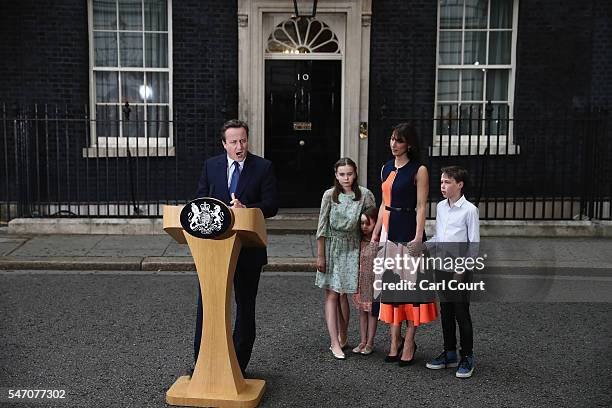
point(446, 359)
point(466, 367)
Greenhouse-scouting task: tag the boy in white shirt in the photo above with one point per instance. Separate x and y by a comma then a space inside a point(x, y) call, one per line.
point(456, 221)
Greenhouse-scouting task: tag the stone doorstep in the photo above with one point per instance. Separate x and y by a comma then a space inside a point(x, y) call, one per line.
point(288, 225)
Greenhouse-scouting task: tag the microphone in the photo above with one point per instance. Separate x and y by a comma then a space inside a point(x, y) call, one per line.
point(211, 191)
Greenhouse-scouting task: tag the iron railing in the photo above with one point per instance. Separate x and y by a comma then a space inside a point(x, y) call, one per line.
point(547, 166)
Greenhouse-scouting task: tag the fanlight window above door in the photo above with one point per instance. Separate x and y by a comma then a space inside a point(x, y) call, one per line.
point(303, 35)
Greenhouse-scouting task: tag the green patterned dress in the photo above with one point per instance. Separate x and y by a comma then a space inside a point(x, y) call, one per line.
point(340, 225)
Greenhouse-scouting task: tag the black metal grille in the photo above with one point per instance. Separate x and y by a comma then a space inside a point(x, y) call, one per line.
point(550, 165)
point(556, 167)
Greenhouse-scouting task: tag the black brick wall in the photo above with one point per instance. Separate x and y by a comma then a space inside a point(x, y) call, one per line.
point(205, 77)
point(43, 52)
point(601, 80)
point(402, 72)
point(554, 54)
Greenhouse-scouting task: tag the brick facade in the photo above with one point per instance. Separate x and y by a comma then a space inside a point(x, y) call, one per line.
point(563, 55)
point(44, 58)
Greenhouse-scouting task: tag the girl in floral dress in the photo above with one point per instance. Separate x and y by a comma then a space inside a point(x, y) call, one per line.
point(338, 243)
point(368, 311)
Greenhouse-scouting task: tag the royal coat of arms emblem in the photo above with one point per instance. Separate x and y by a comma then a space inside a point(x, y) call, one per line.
point(206, 218)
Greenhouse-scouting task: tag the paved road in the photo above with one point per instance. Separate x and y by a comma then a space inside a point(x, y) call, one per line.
point(121, 339)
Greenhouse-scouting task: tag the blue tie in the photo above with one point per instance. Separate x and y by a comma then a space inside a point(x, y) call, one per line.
point(235, 178)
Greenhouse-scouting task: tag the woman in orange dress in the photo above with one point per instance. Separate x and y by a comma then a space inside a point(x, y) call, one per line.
point(401, 219)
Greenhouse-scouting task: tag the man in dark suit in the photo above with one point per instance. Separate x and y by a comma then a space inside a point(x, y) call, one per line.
point(241, 180)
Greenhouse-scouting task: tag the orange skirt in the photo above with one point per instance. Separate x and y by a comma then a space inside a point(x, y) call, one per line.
point(424, 313)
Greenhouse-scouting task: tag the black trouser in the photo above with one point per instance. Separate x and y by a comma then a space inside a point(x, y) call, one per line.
point(459, 311)
point(246, 282)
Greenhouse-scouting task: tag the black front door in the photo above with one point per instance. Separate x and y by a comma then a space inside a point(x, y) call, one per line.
point(302, 127)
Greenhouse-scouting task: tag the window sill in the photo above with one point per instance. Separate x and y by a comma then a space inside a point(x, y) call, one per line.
point(473, 148)
point(104, 152)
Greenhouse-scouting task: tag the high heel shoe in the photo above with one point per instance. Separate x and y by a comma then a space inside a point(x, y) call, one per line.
point(337, 356)
point(403, 363)
point(393, 359)
point(343, 345)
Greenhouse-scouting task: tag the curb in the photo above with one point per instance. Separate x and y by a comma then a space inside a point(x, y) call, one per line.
point(160, 264)
point(276, 264)
point(71, 263)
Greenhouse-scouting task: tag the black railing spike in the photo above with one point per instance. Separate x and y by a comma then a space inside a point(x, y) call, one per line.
point(127, 110)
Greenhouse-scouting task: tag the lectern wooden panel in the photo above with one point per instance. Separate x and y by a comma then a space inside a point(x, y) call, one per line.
point(217, 380)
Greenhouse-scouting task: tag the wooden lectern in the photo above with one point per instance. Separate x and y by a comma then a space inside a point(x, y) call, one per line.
point(217, 380)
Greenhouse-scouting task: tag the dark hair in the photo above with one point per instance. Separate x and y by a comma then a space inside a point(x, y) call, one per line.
point(233, 123)
point(345, 161)
point(457, 173)
point(407, 133)
point(371, 213)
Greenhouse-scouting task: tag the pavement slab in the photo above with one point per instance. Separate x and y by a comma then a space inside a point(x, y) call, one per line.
point(9, 245)
point(58, 245)
point(176, 249)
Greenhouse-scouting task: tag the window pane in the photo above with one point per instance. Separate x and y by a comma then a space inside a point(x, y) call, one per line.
point(499, 119)
point(499, 47)
point(132, 87)
point(130, 46)
point(497, 84)
point(315, 27)
point(325, 35)
point(156, 17)
point(448, 122)
point(134, 126)
point(475, 47)
point(471, 84)
point(157, 121)
point(107, 87)
point(130, 15)
point(156, 50)
point(475, 13)
point(104, 15)
point(158, 84)
point(107, 121)
point(448, 85)
point(331, 46)
point(501, 13)
point(451, 13)
point(469, 122)
point(281, 37)
point(289, 27)
point(450, 48)
point(275, 46)
point(105, 49)
point(302, 28)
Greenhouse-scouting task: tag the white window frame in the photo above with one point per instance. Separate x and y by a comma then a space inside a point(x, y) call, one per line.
point(137, 146)
point(444, 145)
